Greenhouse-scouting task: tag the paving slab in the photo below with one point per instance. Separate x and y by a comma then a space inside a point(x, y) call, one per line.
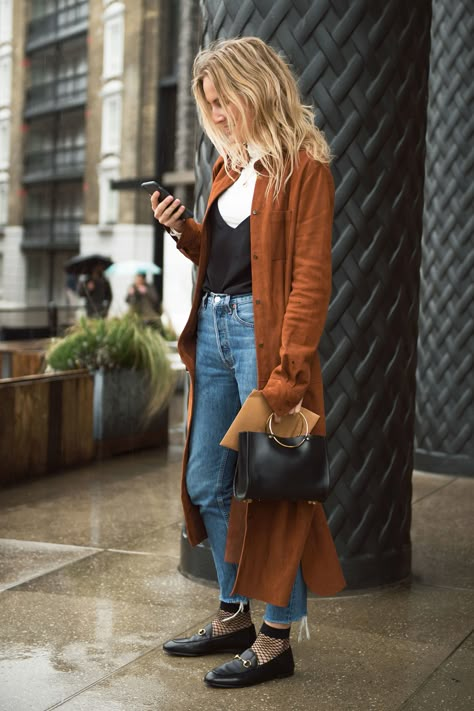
point(21, 561)
point(442, 540)
point(144, 579)
point(90, 559)
point(103, 506)
point(417, 613)
point(164, 540)
point(371, 651)
point(425, 484)
point(55, 643)
point(451, 687)
point(337, 670)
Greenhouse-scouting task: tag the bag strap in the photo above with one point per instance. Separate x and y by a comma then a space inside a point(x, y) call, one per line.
point(268, 427)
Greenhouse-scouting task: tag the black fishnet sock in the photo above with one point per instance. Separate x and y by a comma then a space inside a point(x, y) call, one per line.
point(225, 622)
point(270, 643)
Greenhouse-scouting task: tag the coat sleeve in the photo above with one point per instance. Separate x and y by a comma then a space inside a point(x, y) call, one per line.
point(189, 243)
point(308, 302)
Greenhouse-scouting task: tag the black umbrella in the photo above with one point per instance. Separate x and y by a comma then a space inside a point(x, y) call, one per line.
point(85, 263)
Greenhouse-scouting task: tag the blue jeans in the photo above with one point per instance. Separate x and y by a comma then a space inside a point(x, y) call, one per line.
point(226, 373)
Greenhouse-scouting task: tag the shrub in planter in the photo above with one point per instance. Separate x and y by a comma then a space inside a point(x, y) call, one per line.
point(105, 345)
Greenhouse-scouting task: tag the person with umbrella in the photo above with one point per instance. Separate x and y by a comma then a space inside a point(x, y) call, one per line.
point(93, 284)
point(97, 291)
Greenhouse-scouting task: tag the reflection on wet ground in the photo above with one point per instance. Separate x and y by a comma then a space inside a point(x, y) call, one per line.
point(90, 590)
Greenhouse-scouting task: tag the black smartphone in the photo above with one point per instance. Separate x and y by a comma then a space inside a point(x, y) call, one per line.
point(151, 187)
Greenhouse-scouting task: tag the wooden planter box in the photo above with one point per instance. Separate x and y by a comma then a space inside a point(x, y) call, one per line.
point(53, 421)
point(45, 424)
point(19, 358)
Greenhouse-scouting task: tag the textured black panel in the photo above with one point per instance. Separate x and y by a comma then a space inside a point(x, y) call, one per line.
point(445, 379)
point(364, 65)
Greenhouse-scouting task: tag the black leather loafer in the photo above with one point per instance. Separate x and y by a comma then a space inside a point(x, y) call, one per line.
point(204, 643)
point(244, 670)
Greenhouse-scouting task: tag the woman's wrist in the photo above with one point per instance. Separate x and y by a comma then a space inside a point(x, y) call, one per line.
point(174, 233)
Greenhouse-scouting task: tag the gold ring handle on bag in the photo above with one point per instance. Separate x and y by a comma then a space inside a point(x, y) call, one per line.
point(282, 444)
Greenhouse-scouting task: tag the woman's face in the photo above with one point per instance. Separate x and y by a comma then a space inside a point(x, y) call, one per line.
point(220, 113)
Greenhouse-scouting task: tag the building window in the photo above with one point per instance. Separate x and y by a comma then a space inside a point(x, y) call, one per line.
point(4, 143)
point(6, 20)
point(73, 58)
point(113, 46)
point(43, 69)
point(39, 204)
point(42, 8)
point(69, 204)
point(34, 272)
point(3, 204)
point(5, 80)
point(170, 48)
point(108, 198)
point(70, 11)
point(111, 123)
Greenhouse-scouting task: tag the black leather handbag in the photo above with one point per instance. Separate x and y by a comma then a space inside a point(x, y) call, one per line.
point(281, 468)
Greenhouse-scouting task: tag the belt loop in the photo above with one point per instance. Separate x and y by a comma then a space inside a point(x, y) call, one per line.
point(205, 299)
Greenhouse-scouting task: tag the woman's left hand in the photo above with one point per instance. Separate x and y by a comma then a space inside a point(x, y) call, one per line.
point(294, 411)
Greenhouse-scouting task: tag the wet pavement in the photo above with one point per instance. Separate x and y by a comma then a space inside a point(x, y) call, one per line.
point(90, 591)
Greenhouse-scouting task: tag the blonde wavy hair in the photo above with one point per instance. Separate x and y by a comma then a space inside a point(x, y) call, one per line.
point(251, 77)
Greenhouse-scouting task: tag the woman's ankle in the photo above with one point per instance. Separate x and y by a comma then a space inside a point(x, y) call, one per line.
point(234, 606)
point(278, 625)
point(271, 642)
point(231, 618)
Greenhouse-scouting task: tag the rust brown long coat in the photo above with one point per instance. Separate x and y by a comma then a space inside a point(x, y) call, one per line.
point(290, 242)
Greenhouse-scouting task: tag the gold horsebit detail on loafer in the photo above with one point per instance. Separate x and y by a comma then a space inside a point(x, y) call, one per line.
point(246, 662)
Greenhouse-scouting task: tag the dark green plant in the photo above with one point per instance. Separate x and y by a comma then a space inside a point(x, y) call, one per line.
point(168, 332)
point(114, 343)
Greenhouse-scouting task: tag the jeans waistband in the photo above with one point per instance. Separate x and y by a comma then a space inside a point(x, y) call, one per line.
point(224, 299)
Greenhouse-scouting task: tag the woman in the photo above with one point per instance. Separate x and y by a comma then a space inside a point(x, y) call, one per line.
point(262, 293)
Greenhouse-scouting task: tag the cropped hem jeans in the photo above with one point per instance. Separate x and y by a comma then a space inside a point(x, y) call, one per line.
point(226, 373)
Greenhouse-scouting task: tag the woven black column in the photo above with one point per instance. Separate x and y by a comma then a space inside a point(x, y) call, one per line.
point(365, 67)
point(445, 379)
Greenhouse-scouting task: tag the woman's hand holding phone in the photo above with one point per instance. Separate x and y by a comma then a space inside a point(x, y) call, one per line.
point(166, 208)
point(169, 212)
